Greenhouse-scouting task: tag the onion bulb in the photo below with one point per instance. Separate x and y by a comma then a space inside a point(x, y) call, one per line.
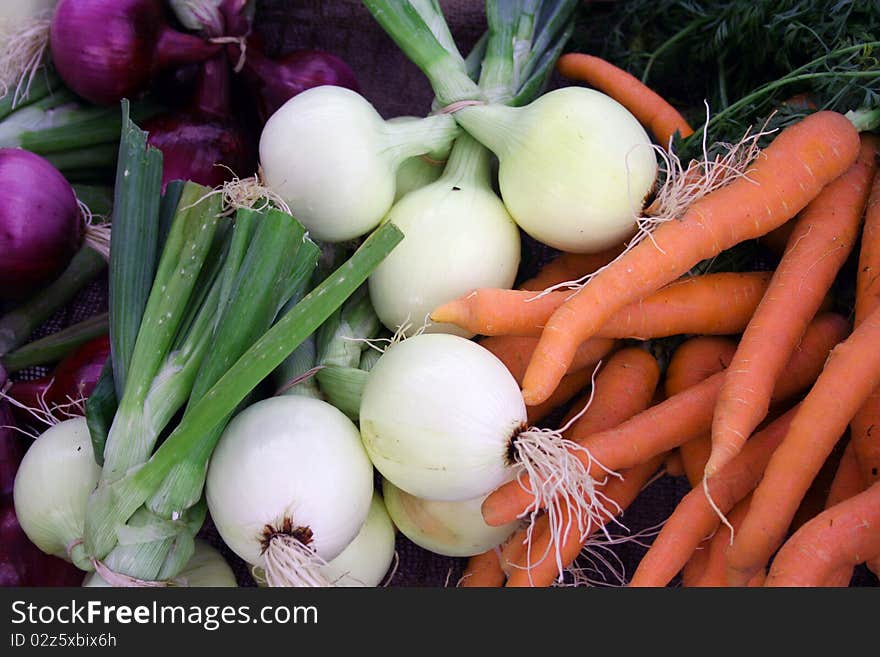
point(443, 419)
point(206, 568)
point(52, 488)
point(289, 486)
point(453, 529)
point(333, 159)
point(575, 167)
point(365, 561)
point(459, 237)
point(41, 226)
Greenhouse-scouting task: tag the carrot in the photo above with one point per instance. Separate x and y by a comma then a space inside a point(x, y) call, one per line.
point(673, 464)
point(821, 241)
point(624, 386)
point(691, 362)
point(515, 351)
point(570, 385)
point(847, 483)
point(694, 518)
point(715, 569)
point(673, 421)
point(842, 536)
point(866, 439)
point(483, 570)
point(569, 267)
point(791, 171)
point(710, 304)
point(651, 110)
point(543, 572)
point(851, 373)
point(777, 239)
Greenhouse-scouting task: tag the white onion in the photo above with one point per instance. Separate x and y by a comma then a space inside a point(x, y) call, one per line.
point(52, 488)
point(289, 481)
point(206, 568)
point(438, 415)
point(575, 166)
point(453, 529)
point(365, 561)
point(458, 237)
point(333, 159)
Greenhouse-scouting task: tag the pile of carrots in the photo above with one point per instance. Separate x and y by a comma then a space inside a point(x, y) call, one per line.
point(769, 388)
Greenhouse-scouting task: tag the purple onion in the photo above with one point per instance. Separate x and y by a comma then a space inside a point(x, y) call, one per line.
point(23, 564)
point(277, 81)
point(204, 143)
point(40, 223)
point(106, 50)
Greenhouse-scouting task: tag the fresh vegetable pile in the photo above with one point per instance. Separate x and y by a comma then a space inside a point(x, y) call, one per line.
point(326, 340)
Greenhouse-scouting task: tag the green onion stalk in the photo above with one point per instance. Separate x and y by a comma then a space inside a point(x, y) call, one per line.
point(170, 482)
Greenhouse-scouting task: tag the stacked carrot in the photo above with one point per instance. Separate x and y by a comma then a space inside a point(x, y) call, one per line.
point(751, 406)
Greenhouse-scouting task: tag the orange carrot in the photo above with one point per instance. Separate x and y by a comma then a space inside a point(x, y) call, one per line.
point(791, 171)
point(694, 518)
point(483, 570)
point(821, 241)
point(691, 362)
point(515, 351)
point(673, 421)
point(570, 385)
point(624, 386)
point(569, 267)
point(710, 304)
point(847, 483)
point(649, 107)
point(851, 373)
point(865, 437)
point(621, 492)
point(841, 536)
point(715, 570)
point(673, 464)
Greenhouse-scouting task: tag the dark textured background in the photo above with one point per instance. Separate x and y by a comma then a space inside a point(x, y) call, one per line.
point(395, 86)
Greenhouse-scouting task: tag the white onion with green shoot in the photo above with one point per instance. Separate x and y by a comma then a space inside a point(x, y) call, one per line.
point(443, 419)
point(575, 167)
point(459, 237)
point(333, 159)
point(289, 486)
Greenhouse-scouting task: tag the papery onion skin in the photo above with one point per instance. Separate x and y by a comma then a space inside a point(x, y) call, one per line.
point(453, 529)
point(289, 458)
point(40, 223)
point(106, 50)
point(438, 415)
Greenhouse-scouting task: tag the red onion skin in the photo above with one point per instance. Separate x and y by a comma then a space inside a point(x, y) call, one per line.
point(107, 50)
point(74, 378)
point(277, 81)
point(23, 564)
point(40, 223)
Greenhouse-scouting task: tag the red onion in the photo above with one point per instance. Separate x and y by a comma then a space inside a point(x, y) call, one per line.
point(23, 564)
point(277, 81)
point(40, 223)
point(73, 379)
point(106, 50)
point(204, 143)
